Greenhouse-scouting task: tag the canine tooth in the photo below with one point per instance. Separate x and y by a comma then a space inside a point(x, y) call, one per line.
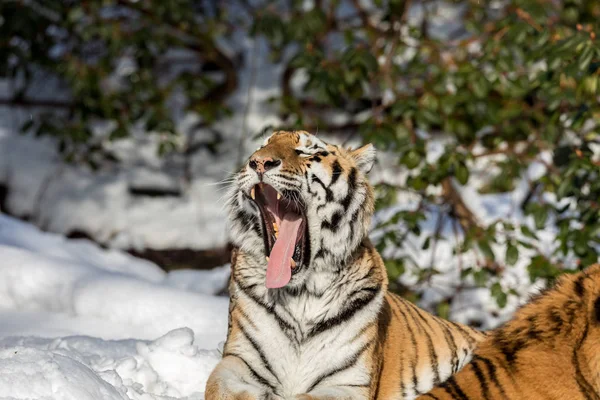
point(278, 195)
point(275, 227)
point(252, 193)
point(293, 263)
point(267, 257)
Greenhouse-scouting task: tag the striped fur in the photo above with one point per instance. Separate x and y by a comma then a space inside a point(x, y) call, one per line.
point(333, 332)
point(549, 350)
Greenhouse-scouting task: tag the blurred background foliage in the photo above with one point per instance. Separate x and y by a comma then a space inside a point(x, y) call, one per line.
point(508, 84)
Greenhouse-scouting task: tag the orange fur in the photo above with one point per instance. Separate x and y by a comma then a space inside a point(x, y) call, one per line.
point(549, 350)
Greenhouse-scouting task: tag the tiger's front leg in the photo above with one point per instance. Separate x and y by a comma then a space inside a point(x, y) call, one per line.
point(232, 380)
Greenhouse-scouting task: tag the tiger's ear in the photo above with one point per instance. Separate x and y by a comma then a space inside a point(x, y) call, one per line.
point(364, 157)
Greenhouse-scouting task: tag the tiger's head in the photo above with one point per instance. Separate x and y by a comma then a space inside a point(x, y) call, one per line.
point(300, 204)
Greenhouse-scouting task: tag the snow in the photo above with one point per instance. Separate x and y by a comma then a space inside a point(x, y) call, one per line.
point(81, 322)
point(87, 368)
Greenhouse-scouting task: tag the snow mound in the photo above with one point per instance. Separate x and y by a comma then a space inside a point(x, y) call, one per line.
point(26, 372)
point(43, 273)
point(85, 368)
point(80, 322)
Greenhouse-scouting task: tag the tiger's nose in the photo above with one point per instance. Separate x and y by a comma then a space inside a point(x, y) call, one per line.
point(263, 164)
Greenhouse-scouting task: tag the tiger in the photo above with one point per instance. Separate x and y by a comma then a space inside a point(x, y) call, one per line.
point(310, 313)
point(549, 350)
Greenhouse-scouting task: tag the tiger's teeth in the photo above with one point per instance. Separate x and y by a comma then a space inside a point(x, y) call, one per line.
point(267, 257)
point(276, 227)
point(278, 195)
point(252, 193)
point(293, 263)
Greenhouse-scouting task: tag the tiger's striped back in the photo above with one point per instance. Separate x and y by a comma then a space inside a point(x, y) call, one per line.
point(549, 350)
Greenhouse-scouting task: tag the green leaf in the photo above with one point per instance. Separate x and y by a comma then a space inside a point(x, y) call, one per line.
point(528, 232)
point(586, 58)
point(27, 125)
point(480, 87)
point(411, 159)
point(581, 248)
point(119, 132)
point(498, 293)
point(512, 254)
point(590, 84)
point(480, 277)
point(500, 296)
point(462, 173)
point(486, 249)
point(540, 267)
point(426, 243)
point(495, 289)
point(564, 188)
point(466, 272)
point(540, 215)
point(395, 268)
point(429, 101)
point(166, 146)
point(443, 310)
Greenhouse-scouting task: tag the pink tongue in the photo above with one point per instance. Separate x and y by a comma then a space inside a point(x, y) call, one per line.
point(279, 267)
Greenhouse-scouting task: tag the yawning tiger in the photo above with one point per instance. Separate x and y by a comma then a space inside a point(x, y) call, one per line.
point(310, 315)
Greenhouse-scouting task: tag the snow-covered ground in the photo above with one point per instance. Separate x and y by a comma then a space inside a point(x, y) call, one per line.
point(80, 322)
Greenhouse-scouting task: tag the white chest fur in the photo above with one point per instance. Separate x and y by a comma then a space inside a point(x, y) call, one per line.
point(299, 344)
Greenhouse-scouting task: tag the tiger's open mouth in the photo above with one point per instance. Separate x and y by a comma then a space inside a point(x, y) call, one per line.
point(286, 233)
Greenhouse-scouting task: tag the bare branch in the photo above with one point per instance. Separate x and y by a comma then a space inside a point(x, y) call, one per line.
point(467, 220)
point(46, 103)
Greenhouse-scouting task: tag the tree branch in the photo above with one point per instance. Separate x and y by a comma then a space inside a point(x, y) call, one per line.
point(47, 103)
point(467, 220)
